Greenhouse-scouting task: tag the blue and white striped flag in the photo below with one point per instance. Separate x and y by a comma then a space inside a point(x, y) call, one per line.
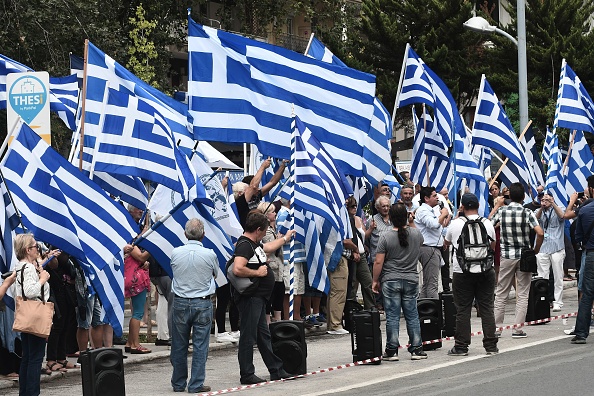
point(377, 158)
point(64, 208)
point(548, 146)
point(465, 167)
point(255, 162)
point(580, 164)
point(167, 234)
point(556, 181)
point(137, 141)
point(77, 66)
point(575, 109)
point(8, 223)
point(528, 144)
point(493, 129)
point(65, 90)
point(244, 91)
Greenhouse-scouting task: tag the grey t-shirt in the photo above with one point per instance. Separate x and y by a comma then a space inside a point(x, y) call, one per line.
point(399, 262)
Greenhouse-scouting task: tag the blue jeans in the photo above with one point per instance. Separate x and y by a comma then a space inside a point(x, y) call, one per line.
point(401, 294)
point(30, 372)
point(584, 316)
point(190, 314)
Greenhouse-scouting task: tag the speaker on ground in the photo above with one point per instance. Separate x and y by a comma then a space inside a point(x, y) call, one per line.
point(449, 314)
point(538, 301)
point(288, 343)
point(430, 317)
point(102, 372)
point(366, 337)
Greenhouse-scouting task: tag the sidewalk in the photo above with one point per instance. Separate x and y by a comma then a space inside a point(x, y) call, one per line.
point(160, 352)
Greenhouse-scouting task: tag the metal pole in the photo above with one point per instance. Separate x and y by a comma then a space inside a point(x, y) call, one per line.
point(522, 64)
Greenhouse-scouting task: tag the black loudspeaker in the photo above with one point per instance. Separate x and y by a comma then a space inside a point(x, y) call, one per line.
point(449, 314)
point(288, 343)
point(431, 321)
point(366, 338)
point(538, 300)
point(102, 372)
point(350, 307)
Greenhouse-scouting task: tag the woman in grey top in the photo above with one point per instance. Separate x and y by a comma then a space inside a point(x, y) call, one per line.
point(395, 270)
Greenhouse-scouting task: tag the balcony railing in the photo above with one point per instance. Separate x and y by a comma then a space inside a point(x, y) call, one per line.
point(292, 42)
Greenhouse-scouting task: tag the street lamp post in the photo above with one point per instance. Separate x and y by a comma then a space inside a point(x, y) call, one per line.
point(481, 25)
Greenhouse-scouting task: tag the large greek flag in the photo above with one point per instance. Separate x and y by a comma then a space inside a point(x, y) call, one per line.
point(244, 91)
point(168, 233)
point(556, 181)
point(493, 129)
point(575, 109)
point(64, 208)
point(580, 164)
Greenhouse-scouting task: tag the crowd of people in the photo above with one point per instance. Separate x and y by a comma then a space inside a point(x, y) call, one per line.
point(394, 257)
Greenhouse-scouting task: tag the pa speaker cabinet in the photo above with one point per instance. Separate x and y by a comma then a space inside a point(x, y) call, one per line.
point(288, 343)
point(449, 313)
point(102, 372)
point(538, 300)
point(350, 307)
point(366, 338)
point(430, 317)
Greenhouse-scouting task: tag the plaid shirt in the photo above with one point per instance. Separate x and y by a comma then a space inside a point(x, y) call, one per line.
point(514, 237)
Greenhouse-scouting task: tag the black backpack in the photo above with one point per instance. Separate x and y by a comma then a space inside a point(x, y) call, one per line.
point(474, 251)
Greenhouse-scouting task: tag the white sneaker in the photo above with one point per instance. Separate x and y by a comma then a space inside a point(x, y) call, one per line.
point(226, 337)
point(556, 308)
point(569, 331)
point(235, 334)
point(339, 331)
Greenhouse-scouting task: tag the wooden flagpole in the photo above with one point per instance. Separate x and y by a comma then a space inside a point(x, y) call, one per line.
point(494, 178)
point(424, 151)
point(568, 152)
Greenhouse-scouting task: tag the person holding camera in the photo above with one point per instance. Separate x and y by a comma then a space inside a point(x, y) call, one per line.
point(431, 226)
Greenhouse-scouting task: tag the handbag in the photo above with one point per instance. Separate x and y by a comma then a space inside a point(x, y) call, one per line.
point(136, 279)
point(244, 286)
point(527, 257)
point(33, 316)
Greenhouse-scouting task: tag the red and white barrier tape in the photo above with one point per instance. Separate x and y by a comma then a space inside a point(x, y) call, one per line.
point(244, 387)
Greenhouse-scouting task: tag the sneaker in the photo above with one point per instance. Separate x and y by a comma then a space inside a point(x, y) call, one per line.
point(281, 374)
point(390, 355)
point(311, 319)
point(498, 334)
point(570, 331)
point(307, 324)
point(493, 351)
point(556, 308)
point(521, 334)
point(457, 352)
point(321, 318)
point(418, 354)
point(235, 334)
point(578, 340)
point(226, 337)
point(339, 331)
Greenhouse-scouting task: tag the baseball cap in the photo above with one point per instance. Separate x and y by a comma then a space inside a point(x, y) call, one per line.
point(470, 201)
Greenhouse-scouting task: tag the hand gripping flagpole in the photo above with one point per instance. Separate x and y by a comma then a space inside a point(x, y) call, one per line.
point(292, 167)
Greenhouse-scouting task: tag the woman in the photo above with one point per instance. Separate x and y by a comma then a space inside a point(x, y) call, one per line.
point(136, 284)
point(358, 266)
point(395, 272)
point(250, 262)
point(275, 262)
point(32, 282)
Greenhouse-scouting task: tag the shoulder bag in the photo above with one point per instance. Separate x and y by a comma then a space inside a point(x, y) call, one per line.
point(528, 257)
point(33, 316)
point(244, 286)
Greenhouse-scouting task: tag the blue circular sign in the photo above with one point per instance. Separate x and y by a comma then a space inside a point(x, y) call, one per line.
point(27, 97)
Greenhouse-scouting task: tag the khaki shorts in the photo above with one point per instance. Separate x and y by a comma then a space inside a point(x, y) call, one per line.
point(298, 278)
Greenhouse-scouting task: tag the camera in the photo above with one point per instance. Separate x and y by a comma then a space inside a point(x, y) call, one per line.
point(441, 205)
point(541, 194)
point(580, 195)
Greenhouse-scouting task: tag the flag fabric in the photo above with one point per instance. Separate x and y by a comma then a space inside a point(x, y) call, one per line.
point(61, 206)
point(377, 158)
point(244, 91)
point(493, 129)
point(65, 99)
point(555, 181)
point(231, 198)
point(77, 66)
point(483, 158)
point(548, 146)
point(141, 145)
point(528, 145)
point(8, 223)
point(213, 157)
point(123, 188)
point(394, 186)
point(575, 109)
point(168, 234)
point(580, 165)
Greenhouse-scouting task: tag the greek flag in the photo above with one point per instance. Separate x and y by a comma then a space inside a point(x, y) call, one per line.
point(575, 109)
point(421, 85)
point(483, 157)
point(493, 129)
point(242, 90)
point(528, 145)
point(362, 191)
point(137, 141)
point(377, 158)
point(429, 148)
point(77, 66)
point(9, 222)
point(556, 182)
point(580, 164)
point(168, 233)
point(64, 208)
point(548, 146)
point(65, 90)
point(255, 162)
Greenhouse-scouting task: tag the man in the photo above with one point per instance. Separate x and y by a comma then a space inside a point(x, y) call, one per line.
point(431, 226)
point(534, 205)
point(552, 252)
point(515, 222)
point(194, 271)
point(470, 286)
point(382, 191)
point(406, 195)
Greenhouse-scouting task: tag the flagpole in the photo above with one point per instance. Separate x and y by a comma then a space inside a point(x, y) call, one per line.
point(424, 151)
point(84, 100)
point(400, 83)
point(568, 152)
point(5, 142)
point(292, 223)
point(245, 164)
point(494, 178)
point(309, 43)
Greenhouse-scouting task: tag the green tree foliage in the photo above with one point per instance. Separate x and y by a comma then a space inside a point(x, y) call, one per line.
point(142, 51)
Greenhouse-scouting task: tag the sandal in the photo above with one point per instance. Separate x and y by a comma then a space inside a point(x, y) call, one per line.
point(52, 367)
point(139, 350)
point(66, 364)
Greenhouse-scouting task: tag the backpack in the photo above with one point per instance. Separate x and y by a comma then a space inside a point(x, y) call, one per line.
point(474, 251)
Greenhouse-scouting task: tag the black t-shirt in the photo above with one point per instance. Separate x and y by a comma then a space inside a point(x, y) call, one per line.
point(256, 257)
point(244, 207)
